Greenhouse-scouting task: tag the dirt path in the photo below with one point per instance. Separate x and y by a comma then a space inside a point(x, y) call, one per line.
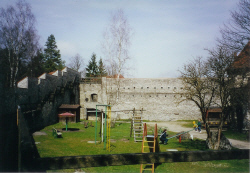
point(175, 126)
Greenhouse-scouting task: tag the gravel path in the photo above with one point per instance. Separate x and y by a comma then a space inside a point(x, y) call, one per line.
point(177, 127)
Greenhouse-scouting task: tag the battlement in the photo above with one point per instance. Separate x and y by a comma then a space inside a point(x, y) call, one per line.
point(50, 80)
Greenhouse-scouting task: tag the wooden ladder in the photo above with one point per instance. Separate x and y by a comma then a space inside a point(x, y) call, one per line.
point(150, 142)
point(137, 126)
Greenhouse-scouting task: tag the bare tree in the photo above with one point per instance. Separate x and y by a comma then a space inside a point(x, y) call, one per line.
point(116, 43)
point(77, 63)
point(220, 61)
point(236, 33)
point(198, 87)
point(18, 36)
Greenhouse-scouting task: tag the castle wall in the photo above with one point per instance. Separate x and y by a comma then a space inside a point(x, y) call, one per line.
point(39, 98)
point(158, 97)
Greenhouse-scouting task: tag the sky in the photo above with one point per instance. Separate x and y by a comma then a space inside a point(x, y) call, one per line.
point(166, 33)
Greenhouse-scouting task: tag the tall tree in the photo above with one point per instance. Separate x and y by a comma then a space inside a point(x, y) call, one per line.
point(236, 33)
point(36, 65)
point(92, 68)
point(101, 69)
point(52, 55)
point(17, 36)
point(77, 63)
point(198, 87)
point(220, 60)
point(116, 43)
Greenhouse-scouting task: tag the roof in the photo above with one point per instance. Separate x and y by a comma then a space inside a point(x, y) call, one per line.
point(214, 110)
point(51, 72)
point(68, 106)
point(243, 59)
point(66, 114)
point(115, 76)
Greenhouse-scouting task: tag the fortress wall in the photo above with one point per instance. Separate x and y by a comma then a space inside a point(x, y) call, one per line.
point(40, 97)
point(159, 97)
point(86, 101)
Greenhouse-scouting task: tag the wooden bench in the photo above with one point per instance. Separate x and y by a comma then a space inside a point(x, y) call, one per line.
point(56, 133)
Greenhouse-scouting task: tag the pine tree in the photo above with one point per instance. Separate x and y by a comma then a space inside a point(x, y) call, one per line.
point(92, 68)
point(52, 56)
point(101, 69)
point(36, 65)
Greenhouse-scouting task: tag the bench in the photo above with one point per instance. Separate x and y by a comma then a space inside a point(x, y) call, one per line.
point(56, 133)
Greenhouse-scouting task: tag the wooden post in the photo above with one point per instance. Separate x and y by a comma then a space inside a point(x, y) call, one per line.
point(180, 139)
point(131, 128)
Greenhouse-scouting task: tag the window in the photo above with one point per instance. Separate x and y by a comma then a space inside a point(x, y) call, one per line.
point(94, 97)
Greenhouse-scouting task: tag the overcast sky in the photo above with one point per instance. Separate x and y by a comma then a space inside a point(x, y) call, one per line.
point(167, 33)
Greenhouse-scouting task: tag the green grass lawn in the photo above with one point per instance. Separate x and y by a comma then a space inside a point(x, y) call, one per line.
point(75, 143)
point(228, 133)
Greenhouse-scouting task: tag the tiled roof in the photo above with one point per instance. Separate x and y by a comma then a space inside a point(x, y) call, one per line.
point(214, 110)
point(116, 76)
point(68, 106)
point(52, 72)
point(243, 59)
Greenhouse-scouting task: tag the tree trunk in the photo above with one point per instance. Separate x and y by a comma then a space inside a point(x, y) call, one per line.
point(218, 141)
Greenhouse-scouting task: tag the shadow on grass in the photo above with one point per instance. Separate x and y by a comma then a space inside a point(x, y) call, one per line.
point(70, 129)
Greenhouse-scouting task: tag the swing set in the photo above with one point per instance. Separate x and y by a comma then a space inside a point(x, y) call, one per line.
point(105, 133)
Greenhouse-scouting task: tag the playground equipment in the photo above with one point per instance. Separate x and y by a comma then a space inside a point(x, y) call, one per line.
point(153, 146)
point(107, 124)
point(137, 125)
point(66, 115)
point(179, 135)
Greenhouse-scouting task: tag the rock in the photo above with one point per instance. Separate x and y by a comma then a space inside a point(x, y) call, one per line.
point(213, 144)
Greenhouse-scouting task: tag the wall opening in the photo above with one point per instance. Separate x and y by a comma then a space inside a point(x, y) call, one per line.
point(94, 97)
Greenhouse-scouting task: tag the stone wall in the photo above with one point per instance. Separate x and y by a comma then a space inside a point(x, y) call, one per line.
point(158, 97)
point(39, 99)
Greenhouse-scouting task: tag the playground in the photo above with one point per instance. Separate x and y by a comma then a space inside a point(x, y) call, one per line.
point(82, 142)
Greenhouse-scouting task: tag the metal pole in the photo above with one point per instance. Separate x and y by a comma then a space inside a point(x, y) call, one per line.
point(105, 128)
point(102, 126)
point(66, 124)
point(95, 123)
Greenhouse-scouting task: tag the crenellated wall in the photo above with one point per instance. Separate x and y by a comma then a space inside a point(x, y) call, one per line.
point(40, 97)
point(158, 97)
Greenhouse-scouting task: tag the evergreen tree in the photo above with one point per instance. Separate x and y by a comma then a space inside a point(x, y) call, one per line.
point(36, 65)
point(92, 68)
point(52, 56)
point(101, 69)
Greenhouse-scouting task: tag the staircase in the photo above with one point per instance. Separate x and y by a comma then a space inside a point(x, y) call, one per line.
point(137, 126)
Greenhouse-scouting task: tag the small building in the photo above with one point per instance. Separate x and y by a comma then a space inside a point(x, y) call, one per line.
point(74, 109)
